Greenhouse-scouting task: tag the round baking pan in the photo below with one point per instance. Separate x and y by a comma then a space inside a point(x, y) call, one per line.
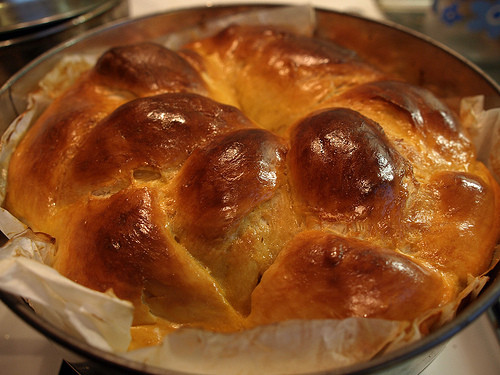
point(393, 48)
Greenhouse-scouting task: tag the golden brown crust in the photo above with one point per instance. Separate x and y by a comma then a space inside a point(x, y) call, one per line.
point(146, 137)
point(44, 154)
point(218, 191)
point(121, 245)
point(426, 116)
point(460, 228)
point(222, 183)
point(253, 177)
point(320, 275)
point(344, 168)
point(276, 77)
point(147, 69)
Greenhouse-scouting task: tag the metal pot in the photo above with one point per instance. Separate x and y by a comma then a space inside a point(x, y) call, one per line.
point(29, 28)
point(393, 48)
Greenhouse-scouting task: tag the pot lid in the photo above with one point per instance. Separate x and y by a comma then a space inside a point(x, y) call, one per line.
point(20, 16)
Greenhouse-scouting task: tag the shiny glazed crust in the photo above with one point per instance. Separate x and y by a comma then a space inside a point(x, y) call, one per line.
point(253, 177)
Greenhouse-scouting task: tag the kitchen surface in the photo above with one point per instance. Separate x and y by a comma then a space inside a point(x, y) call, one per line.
point(475, 350)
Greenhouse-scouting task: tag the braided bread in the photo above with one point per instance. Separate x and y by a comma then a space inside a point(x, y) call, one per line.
point(253, 177)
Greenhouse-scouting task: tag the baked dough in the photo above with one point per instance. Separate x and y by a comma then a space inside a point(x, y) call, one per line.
point(253, 177)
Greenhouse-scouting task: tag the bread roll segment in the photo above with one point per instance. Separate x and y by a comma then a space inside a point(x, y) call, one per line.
point(276, 77)
point(147, 69)
point(343, 166)
point(323, 275)
point(255, 177)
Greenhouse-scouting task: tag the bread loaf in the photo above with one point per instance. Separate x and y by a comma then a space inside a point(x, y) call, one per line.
point(254, 177)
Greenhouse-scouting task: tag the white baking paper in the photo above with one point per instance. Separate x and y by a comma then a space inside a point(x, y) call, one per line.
point(81, 312)
point(484, 127)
